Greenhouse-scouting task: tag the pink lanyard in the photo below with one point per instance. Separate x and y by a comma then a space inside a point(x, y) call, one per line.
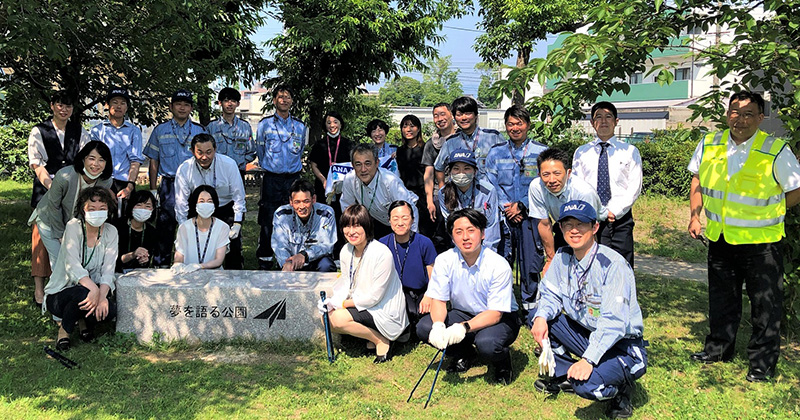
point(336, 153)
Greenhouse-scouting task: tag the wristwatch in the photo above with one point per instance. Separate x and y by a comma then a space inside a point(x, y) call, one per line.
point(466, 326)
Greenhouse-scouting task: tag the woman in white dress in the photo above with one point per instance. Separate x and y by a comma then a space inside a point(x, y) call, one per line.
point(202, 240)
point(83, 276)
point(368, 300)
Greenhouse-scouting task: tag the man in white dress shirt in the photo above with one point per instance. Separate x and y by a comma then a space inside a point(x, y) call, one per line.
point(614, 169)
point(222, 173)
point(375, 188)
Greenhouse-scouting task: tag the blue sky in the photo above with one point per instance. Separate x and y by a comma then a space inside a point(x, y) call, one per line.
point(459, 35)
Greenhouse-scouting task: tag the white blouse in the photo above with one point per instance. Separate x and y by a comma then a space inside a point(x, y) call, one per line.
point(189, 236)
point(376, 288)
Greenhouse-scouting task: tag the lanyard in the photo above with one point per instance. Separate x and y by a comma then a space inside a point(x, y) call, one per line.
point(375, 194)
point(213, 171)
point(186, 138)
point(336, 153)
point(354, 273)
point(521, 161)
point(288, 121)
point(397, 254)
point(200, 258)
point(85, 247)
point(298, 226)
point(472, 200)
point(233, 126)
point(581, 282)
point(474, 142)
point(130, 235)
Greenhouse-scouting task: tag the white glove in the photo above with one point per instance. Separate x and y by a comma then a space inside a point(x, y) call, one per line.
point(235, 230)
point(547, 360)
point(455, 333)
point(325, 306)
point(438, 335)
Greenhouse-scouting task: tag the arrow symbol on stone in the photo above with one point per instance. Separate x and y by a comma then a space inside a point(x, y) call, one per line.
point(276, 311)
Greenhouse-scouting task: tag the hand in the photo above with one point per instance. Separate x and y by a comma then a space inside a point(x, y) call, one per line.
point(325, 306)
point(695, 228)
point(297, 261)
point(90, 303)
point(324, 183)
point(511, 210)
point(432, 210)
point(611, 217)
point(125, 192)
point(438, 335)
point(455, 333)
point(287, 266)
point(235, 230)
point(101, 311)
point(540, 330)
point(142, 255)
point(425, 305)
point(580, 371)
point(546, 265)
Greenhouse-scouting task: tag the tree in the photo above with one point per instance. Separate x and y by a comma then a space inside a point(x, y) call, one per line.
point(761, 53)
point(152, 47)
point(331, 47)
point(401, 91)
point(516, 25)
point(440, 83)
point(486, 94)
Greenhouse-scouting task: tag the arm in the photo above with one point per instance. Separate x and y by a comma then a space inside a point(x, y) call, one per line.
point(182, 192)
point(375, 275)
point(546, 233)
point(222, 242)
point(440, 178)
point(280, 239)
point(152, 173)
point(439, 310)
point(493, 222)
point(219, 258)
point(549, 305)
point(428, 177)
point(614, 312)
point(238, 193)
point(250, 147)
point(348, 193)
point(696, 207)
point(35, 157)
point(326, 238)
point(317, 173)
point(792, 198)
point(484, 319)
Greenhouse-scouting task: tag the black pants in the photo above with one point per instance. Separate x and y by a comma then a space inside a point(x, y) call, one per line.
point(492, 342)
point(66, 305)
point(166, 224)
point(618, 236)
point(274, 193)
point(233, 260)
point(379, 230)
point(413, 299)
point(760, 268)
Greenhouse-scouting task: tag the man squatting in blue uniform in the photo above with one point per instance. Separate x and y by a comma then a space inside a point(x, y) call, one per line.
point(168, 147)
point(588, 307)
point(304, 231)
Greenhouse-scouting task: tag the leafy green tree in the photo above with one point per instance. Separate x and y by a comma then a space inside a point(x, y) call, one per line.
point(486, 94)
point(150, 46)
point(440, 83)
point(401, 91)
point(761, 51)
point(516, 25)
point(331, 47)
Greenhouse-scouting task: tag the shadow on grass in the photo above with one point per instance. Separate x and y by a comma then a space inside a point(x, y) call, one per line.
point(672, 243)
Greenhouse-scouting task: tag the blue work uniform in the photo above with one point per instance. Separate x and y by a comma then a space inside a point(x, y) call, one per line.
point(510, 170)
point(125, 143)
point(234, 140)
point(279, 145)
point(487, 285)
point(482, 197)
point(481, 140)
point(601, 320)
point(315, 237)
point(169, 144)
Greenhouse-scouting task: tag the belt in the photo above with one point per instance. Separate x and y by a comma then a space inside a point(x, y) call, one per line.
point(282, 175)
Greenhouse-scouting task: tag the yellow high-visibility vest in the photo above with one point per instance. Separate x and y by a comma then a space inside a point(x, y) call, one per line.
point(748, 208)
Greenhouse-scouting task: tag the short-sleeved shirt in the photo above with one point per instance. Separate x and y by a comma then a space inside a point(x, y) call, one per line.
point(430, 153)
point(125, 143)
point(189, 236)
point(411, 259)
point(280, 143)
point(544, 204)
point(511, 169)
point(786, 168)
point(170, 144)
point(486, 285)
point(481, 140)
point(234, 140)
point(624, 171)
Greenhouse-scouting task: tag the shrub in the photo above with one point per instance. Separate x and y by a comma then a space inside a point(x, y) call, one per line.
point(664, 161)
point(14, 151)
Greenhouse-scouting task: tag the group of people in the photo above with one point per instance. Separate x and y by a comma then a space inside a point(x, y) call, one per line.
point(425, 247)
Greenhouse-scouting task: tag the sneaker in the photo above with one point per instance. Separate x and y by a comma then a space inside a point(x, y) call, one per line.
point(553, 386)
point(459, 365)
point(503, 372)
point(620, 407)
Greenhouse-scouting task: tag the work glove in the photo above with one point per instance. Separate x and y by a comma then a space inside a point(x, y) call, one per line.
point(455, 333)
point(235, 230)
point(325, 306)
point(438, 335)
point(547, 360)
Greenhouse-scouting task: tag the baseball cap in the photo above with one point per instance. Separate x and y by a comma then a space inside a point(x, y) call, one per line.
point(578, 209)
point(182, 95)
point(117, 91)
point(462, 155)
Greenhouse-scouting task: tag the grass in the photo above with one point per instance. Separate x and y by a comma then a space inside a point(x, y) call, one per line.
point(661, 230)
point(119, 378)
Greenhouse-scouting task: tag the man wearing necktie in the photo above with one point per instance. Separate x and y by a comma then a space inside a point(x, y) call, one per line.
point(614, 168)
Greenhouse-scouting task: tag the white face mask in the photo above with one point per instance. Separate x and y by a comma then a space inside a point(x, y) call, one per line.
point(462, 180)
point(90, 176)
point(142, 215)
point(205, 210)
point(96, 218)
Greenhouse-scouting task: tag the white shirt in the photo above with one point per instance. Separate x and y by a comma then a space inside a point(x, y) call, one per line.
point(543, 203)
point(188, 237)
point(223, 175)
point(786, 168)
point(624, 171)
point(384, 188)
point(37, 155)
point(485, 286)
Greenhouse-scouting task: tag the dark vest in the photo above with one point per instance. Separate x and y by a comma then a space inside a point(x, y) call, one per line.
point(57, 157)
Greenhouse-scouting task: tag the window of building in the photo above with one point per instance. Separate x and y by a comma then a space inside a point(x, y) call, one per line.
point(682, 73)
point(635, 78)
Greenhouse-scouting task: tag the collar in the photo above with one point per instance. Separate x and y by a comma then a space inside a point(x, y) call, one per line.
point(232, 124)
point(563, 190)
point(464, 262)
point(125, 123)
point(745, 144)
point(612, 142)
point(175, 122)
point(472, 136)
point(373, 184)
point(283, 120)
point(200, 167)
point(522, 146)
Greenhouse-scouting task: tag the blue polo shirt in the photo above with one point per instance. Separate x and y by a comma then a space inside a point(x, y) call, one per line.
point(511, 169)
point(280, 143)
point(411, 259)
point(170, 144)
point(234, 140)
point(125, 143)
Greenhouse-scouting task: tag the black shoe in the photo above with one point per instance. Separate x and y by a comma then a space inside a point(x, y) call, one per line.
point(553, 386)
point(37, 304)
point(759, 375)
point(265, 264)
point(63, 344)
point(384, 358)
point(620, 407)
point(503, 372)
point(706, 358)
point(459, 365)
point(87, 336)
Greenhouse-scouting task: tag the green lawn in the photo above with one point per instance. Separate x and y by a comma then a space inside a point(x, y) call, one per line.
point(249, 380)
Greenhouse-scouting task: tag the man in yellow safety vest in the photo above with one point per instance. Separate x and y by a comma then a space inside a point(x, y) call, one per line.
point(745, 180)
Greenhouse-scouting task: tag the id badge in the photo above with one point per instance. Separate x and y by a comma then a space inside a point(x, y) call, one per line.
point(531, 171)
point(593, 302)
point(240, 146)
